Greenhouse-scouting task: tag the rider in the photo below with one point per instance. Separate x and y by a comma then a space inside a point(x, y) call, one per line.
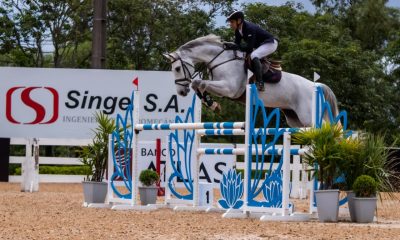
point(256, 38)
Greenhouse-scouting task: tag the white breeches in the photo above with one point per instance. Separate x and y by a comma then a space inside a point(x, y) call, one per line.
point(264, 50)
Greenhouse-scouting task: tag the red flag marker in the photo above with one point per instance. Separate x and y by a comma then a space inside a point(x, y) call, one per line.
point(136, 83)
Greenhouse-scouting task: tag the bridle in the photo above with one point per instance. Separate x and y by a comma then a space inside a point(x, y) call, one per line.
point(188, 77)
point(185, 81)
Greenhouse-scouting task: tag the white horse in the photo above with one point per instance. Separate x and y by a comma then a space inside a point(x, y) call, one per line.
point(293, 94)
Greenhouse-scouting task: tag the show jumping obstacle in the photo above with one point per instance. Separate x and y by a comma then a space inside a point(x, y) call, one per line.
point(265, 198)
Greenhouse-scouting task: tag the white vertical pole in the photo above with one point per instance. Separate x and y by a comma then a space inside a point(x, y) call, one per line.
point(312, 208)
point(27, 167)
point(296, 168)
point(110, 169)
point(314, 124)
point(168, 171)
point(248, 151)
point(314, 101)
point(34, 186)
point(195, 156)
point(314, 107)
point(286, 173)
point(135, 148)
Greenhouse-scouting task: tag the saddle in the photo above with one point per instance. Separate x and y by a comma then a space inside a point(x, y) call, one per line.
point(272, 70)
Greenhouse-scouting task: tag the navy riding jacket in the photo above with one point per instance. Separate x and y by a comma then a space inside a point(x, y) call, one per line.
point(253, 35)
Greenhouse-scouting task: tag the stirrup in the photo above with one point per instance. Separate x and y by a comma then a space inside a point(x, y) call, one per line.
point(260, 86)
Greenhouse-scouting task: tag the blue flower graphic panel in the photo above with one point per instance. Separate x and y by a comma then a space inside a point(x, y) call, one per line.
point(181, 158)
point(231, 188)
point(264, 192)
point(122, 153)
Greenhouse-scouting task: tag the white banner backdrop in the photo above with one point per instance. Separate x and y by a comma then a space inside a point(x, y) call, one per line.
point(60, 103)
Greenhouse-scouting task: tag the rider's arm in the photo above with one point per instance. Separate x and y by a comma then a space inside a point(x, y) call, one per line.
point(251, 42)
point(238, 38)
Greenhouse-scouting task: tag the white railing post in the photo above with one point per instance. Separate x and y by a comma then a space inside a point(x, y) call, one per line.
point(248, 150)
point(135, 148)
point(314, 101)
point(30, 167)
point(110, 169)
point(168, 172)
point(296, 169)
point(286, 173)
point(196, 156)
point(314, 107)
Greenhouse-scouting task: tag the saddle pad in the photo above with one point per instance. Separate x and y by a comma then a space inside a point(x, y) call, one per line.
point(272, 76)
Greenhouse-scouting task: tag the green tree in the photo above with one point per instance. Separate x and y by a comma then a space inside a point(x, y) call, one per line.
point(321, 43)
point(140, 31)
point(369, 21)
point(33, 25)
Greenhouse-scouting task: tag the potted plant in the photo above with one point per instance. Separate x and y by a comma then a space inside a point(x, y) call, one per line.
point(368, 155)
point(148, 192)
point(95, 156)
point(365, 188)
point(351, 167)
point(380, 164)
point(323, 157)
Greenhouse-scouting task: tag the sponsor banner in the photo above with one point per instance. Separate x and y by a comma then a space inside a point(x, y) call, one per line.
point(61, 103)
point(211, 166)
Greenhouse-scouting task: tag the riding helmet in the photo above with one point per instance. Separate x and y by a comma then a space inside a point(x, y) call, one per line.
point(235, 15)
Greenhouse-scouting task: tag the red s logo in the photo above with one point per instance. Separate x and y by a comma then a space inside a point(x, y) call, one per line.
point(28, 101)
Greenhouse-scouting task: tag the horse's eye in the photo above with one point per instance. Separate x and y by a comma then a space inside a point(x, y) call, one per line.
point(177, 69)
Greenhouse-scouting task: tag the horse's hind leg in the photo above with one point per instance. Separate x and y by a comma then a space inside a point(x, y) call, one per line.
point(304, 113)
point(292, 119)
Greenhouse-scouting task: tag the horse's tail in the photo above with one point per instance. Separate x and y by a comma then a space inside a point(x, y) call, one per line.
point(331, 99)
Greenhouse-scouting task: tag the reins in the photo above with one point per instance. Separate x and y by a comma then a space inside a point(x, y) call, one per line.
point(188, 77)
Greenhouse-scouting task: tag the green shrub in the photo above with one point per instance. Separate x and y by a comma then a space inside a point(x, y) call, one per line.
point(365, 186)
point(148, 177)
point(14, 169)
point(64, 170)
point(58, 170)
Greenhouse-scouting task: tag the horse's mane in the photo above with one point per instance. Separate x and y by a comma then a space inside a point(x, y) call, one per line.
point(209, 39)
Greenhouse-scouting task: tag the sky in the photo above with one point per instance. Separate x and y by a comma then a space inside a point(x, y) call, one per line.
point(307, 4)
point(220, 20)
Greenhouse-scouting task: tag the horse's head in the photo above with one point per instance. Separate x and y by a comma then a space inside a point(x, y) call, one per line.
point(200, 50)
point(183, 72)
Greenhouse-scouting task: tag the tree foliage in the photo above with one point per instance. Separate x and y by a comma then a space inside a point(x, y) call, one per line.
point(353, 44)
point(31, 26)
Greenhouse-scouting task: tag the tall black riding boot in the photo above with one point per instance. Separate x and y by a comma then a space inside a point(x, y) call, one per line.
point(257, 70)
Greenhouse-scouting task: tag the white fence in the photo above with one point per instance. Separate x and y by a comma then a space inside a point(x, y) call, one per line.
point(52, 178)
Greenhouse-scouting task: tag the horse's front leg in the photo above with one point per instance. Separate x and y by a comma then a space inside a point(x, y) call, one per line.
point(218, 88)
point(206, 99)
point(197, 85)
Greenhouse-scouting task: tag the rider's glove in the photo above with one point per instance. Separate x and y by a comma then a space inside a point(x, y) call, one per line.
point(244, 48)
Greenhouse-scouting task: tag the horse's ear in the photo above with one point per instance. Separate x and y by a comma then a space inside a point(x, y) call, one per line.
point(168, 56)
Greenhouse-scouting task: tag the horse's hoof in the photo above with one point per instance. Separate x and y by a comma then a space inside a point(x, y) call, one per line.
point(216, 107)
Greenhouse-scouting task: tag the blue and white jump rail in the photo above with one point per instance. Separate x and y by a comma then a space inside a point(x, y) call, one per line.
point(190, 126)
